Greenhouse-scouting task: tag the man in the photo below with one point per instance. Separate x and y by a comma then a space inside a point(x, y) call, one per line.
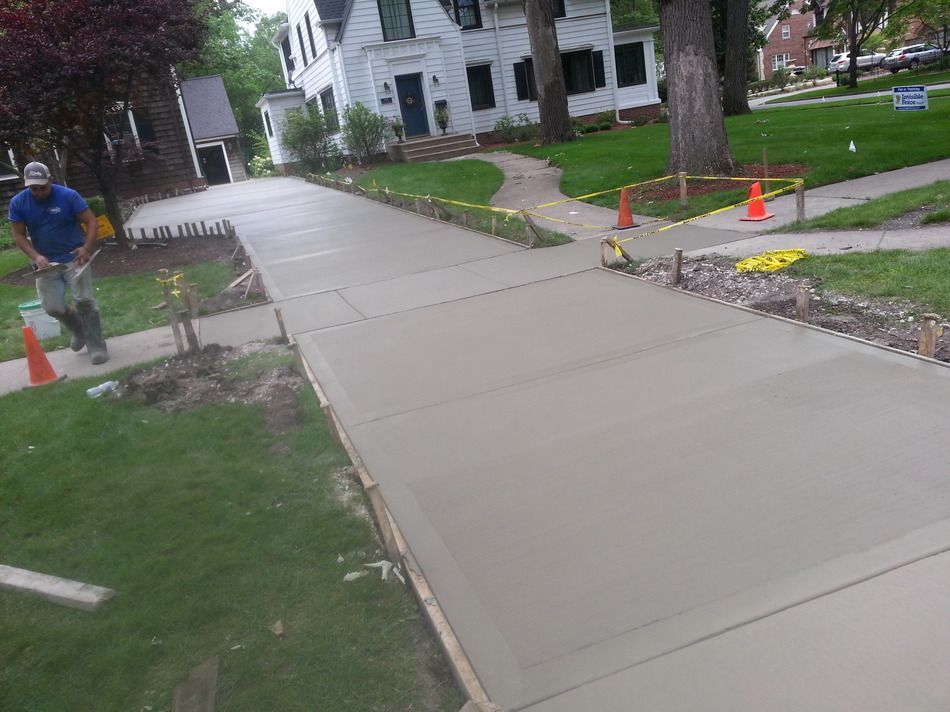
point(60, 250)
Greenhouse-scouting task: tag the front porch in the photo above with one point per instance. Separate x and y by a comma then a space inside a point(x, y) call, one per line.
point(431, 148)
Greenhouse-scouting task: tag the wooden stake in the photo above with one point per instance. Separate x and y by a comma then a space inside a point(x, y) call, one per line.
point(800, 202)
point(172, 313)
point(464, 218)
point(927, 344)
point(250, 283)
point(193, 345)
point(191, 298)
point(531, 231)
point(765, 169)
point(280, 323)
point(681, 177)
point(494, 220)
point(802, 301)
point(677, 273)
point(604, 247)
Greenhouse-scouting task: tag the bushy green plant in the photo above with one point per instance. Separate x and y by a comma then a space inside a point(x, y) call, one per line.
point(813, 73)
point(364, 131)
point(507, 129)
point(6, 236)
point(526, 129)
point(605, 125)
point(97, 204)
point(781, 78)
point(605, 117)
point(308, 137)
point(261, 167)
point(591, 128)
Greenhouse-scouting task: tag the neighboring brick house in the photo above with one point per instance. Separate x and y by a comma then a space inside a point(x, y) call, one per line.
point(789, 43)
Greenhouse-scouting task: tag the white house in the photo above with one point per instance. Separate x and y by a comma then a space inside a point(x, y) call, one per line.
point(406, 58)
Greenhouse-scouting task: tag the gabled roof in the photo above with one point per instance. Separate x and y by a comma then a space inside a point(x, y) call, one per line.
point(208, 108)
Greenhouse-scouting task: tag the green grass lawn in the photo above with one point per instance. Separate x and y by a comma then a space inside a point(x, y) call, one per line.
point(884, 83)
point(468, 181)
point(124, 302)
point(211, 527)
point(919, 277)
point(877, 211)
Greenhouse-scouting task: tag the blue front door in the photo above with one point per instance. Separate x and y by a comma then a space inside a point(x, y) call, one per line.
point(412, 104)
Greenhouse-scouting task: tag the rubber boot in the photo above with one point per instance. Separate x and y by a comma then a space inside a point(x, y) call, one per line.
point(70, 319)
point(92, 329)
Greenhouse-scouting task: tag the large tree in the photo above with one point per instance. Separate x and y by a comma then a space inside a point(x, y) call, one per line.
point(698, 141)
point(548, 72)
point(857, 20)
point(70, 68)
point(933, 17)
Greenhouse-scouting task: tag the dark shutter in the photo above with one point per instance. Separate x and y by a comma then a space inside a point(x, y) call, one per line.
point(521, 81)
point(599, 78)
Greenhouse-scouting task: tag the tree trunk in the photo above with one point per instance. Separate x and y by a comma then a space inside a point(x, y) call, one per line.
point(548, 73)
point(698, 141)
point(106, 178)
point(852, 33)
point(735, 98)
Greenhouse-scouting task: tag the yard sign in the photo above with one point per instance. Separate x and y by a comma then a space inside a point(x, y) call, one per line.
point(910, 98)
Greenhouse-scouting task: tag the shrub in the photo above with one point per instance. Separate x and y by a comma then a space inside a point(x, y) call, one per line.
point(813, 73)
point(261, 167)
point(97, 204)
point(308, 137)
point(6, 235)
point(780, 79)
point(591, 128)
point(661, 90)
point(526, 130)
point(605, 125)
point(506, 129)
point(364, 131)
point(605, 117)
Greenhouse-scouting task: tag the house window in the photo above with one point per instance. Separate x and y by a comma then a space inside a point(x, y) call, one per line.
point(631, 68)
point(303, 50)
point(780, 60)
point(524, 81)
point(466, 13)
point(288, 58)
point(329, 109)
point(143, 125)
point(396, 19)
point(270, 129)
point(559, 10)
point(480, 88)
point(583, 72)
point(786, 32)
point(313, 46)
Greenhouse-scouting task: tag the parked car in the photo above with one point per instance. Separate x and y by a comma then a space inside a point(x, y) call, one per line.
point(912, 56)
point(866, 60)
point(794, 69)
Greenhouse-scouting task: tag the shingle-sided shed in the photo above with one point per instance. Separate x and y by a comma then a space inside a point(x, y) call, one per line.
point(213, 129)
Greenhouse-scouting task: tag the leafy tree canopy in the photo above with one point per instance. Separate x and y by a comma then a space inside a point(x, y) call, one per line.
point(239, 49)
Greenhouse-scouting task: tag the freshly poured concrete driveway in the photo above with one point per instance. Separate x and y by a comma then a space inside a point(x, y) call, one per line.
point(626, 497)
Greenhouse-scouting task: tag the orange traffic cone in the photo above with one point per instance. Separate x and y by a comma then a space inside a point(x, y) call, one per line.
point(40, 370)
point(624, 217)
point(757, 206)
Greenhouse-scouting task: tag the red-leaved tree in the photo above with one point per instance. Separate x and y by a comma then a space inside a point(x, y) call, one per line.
point(67, 66)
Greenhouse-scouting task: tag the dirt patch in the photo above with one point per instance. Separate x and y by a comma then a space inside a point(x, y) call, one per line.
point(176, 253)
point(669, 189)
point(186, 382)
point(887, 322)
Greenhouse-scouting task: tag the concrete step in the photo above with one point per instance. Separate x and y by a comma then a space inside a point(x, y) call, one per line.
point(442, 155)
point(431, 148)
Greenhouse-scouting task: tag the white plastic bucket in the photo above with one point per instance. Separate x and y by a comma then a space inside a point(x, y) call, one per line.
point(45, 326)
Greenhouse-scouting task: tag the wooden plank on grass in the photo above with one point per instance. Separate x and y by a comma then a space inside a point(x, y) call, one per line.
point(198, 692)
point(65, 592)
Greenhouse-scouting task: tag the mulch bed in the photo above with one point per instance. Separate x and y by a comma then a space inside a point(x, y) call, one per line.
point(669, 189)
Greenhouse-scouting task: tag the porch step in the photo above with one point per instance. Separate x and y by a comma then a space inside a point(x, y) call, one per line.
point(432, 148)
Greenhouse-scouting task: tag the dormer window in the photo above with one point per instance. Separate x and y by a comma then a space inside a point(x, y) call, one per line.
point(465, 13)
point(396, 19)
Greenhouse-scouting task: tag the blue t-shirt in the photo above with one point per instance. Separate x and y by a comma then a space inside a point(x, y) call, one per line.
point(53, 223)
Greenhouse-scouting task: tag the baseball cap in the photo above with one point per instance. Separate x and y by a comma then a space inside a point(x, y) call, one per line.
point(35, 174)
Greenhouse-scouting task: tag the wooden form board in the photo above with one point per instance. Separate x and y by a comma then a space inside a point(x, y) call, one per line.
point(74, 594)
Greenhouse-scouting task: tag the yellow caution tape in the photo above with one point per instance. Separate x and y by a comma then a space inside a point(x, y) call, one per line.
point(771, 261)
